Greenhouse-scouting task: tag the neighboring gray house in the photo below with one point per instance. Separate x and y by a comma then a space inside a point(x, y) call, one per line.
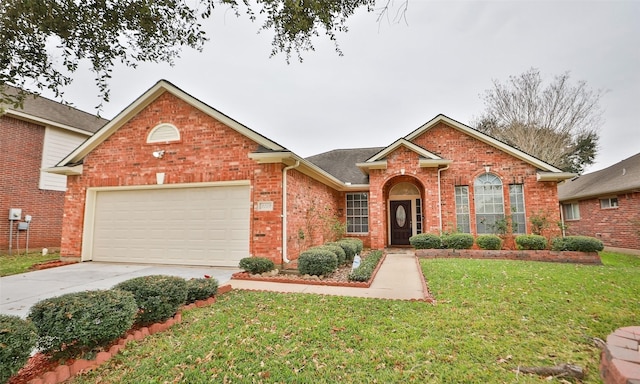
point(605, 204)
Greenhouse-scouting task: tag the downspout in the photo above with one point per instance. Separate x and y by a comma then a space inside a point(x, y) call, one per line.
point(440, 196)
point(562, 220)
point(284, 210)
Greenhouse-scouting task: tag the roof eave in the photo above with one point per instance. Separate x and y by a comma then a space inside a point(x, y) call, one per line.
point(433, 163)
point(555, 176)
point(45, 122)
point(72, 170)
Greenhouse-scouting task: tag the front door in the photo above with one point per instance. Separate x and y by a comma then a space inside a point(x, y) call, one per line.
point(400, 217)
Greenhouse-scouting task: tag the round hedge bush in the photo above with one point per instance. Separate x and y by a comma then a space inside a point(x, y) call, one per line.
point(577, 243)
point(531, 242)
point(457, 241)
point(158, 296)
point(17, 339)
point(357, 242)
point(257, 265)
point(338, 250)
point(350, 249)
point(80, 321)
point(425, 241)
point(201, 289)
point(317, 261)
point(489, 242)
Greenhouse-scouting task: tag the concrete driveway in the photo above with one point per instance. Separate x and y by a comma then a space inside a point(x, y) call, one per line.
point(19, 292)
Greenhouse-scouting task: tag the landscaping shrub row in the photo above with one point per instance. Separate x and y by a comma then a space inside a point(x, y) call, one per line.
point(325, 259)
point(367, 266)
point(494, 242)
point(75, 324)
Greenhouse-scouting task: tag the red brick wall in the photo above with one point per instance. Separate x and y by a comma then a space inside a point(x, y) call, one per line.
point(21, 146)
point(312, 208)
point(208, 151)
point(469, 156)
point(616, 227)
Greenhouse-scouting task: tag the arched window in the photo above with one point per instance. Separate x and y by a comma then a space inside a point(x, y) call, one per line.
point(489, 203)
point(163, 133)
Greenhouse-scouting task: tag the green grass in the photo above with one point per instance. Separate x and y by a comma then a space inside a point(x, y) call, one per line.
point(491, 316)
point(15, 264)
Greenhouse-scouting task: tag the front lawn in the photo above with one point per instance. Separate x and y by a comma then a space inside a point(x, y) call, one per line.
point(20, 263)
point(491, 317)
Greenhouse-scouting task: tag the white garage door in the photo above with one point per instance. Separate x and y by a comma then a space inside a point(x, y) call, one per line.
point(190, 226)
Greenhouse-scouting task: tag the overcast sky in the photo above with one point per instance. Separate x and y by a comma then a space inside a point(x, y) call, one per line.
point(394, 77)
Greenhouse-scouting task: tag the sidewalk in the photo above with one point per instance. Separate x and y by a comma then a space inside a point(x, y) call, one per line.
point(399, 278)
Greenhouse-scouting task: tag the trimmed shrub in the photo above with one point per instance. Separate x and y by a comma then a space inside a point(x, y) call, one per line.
point(201, 289)
point(531, 242)
point(577, 243)
point(490, 242)
point(17, 339)
point(340, 253)
point(366, 268)
point(317, 261)
point(425, 241)
point(457, 241)
point(357, 242)
point(78, 322)
point(158, 296)
point(257, 265)
point(350, 249)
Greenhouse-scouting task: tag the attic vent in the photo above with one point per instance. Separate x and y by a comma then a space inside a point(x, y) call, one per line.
point(163, 133)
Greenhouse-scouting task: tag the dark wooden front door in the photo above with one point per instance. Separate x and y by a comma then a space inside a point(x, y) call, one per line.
point(400, 222)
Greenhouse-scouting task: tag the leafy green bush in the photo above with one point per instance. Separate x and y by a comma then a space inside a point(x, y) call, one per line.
point(350, 249)
point(367, 266)
point(17, 339)
point(158, 296)
point(257, 265)
point(340, 253)
point(317, 261)
point(78, 322)
point(577, 243)
point(357, 242)
point(425, 241)
point(531, 242)
point(201, 289)
point(457, 241)
point(491, 242)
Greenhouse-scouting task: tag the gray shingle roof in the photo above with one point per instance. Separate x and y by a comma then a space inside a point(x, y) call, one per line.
point(621, 177)
point(341, 163)
point(47, 109)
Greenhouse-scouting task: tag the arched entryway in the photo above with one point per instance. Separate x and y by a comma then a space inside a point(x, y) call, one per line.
point(404, 207)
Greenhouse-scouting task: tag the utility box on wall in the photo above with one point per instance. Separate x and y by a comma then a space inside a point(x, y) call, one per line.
point(15, 214)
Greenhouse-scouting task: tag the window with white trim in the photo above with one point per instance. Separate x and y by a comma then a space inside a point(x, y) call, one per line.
point(357, 212)
point(516, 198)
point(163, 133)
point(571, 211)
point(463, 223)
point(610, 202)
point(489, 201)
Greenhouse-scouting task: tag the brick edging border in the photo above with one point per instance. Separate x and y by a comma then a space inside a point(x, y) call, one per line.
point(352, 284)
point(590, 258)
point(620, 357)
point(428, 297)
point(64, 372)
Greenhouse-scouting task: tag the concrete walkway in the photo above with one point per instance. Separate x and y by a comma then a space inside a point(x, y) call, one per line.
point(399, 278)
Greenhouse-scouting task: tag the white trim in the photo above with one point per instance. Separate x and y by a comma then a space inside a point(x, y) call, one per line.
point(406, 143)
point(45, 122)
point(555, 176)
point(70, 170)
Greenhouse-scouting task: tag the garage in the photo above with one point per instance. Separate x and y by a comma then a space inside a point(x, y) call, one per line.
point(187, 225)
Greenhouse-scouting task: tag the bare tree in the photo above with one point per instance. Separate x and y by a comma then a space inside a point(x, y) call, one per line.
point(558, 123)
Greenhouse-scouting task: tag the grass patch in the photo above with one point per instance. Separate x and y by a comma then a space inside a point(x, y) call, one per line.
point(15, 264)
point(491, 316)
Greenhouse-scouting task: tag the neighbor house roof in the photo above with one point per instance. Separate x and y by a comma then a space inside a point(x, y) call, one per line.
point(40, 110)
point(621, 177)
point(341, 163)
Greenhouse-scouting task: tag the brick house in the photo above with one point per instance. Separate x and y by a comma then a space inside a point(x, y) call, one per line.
point(172, 180)
point(35, 136)
point(605, 204)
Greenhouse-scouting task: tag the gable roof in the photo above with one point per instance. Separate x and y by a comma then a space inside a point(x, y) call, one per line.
point(621, 177)
point(341, 163)
point(143, 101)
point(40, 110)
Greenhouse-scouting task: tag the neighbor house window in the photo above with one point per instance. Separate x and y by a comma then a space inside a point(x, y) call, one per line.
point(357, 212)
point(611, 202)
point(571, 211)
point(463, 223)
point(487, 190)
point(516, 197)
